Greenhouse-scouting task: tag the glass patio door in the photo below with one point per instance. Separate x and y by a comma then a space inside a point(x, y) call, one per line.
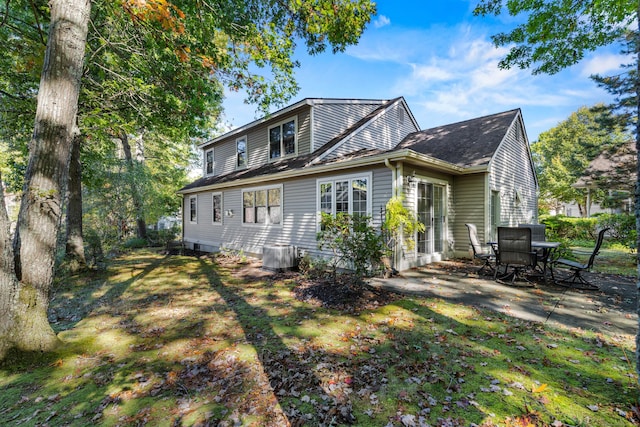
point(430, 206)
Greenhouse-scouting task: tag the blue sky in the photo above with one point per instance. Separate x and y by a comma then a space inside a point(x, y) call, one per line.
point(440, 58)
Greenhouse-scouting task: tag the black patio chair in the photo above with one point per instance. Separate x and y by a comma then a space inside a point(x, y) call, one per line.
point(538, 234)
point(487, 258)
point(537, 231)
point(514, 251)
point(577, 280)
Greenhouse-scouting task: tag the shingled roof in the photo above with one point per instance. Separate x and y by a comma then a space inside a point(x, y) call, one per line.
point(300, 162)
point(466, 144)
point(612, 169)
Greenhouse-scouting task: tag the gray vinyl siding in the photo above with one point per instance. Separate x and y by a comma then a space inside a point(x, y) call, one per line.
point(258, 142)
point(382, 192)
point(299, 217)
point(385, 132)
point(471, 206)
point(330, 119)
point(511, 172)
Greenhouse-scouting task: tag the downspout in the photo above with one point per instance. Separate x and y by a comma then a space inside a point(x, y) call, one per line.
point(388, 164)
point(182, 224)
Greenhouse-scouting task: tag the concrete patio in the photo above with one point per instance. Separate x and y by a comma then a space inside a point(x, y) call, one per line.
point(611, 310)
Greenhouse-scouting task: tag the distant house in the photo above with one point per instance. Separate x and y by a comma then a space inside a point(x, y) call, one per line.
point(168, 222)
point(612, 171)
point(266, 183)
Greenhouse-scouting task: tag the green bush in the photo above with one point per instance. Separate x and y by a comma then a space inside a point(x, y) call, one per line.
point(162, 237)
point(622, 228)
point(94, 252)
point(560, 227)
point(355, 243)
point(313, 267)
point(135, 243)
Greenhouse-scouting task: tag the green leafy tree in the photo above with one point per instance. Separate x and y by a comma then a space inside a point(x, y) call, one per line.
point(563, 153)
point(557, 34)
point(154, 69)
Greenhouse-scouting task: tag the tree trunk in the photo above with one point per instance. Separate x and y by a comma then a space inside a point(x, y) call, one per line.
point(26, 294)
point(75, 242)
point(637, 192)
point(8, 281)
point(135, 193)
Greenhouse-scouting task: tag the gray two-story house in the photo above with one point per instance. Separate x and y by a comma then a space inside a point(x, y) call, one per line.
point(266, 183)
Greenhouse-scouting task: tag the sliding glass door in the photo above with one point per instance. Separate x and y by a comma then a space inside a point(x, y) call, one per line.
point(430, 212)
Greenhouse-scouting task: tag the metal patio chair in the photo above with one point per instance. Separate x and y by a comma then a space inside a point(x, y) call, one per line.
point(537, 231)
point(577, 280)
point(488, 258)
point(515, 253)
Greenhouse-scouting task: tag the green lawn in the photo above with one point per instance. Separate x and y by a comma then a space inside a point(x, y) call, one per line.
point(613, 261)
point(172, 340)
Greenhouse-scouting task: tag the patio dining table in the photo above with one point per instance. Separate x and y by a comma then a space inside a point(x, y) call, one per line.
point(544, 261)
point(548, 249)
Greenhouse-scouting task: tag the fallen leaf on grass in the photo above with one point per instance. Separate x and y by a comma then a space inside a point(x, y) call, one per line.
point(539, 389)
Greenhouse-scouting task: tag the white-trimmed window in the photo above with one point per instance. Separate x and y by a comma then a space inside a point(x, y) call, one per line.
point(208, 162)
point(241, 152)
point(262, 205)
point(349, 194)
point(282, 139)
point(193, 209)
point(216, 208)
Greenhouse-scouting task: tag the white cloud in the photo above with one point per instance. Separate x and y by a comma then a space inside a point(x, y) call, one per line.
point(381, 21)
point(603, 64)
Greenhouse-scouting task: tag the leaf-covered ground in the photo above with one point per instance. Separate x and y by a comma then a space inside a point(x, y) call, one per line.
point(174, 340)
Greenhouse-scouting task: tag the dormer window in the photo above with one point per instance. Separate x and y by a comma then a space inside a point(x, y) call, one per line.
point(241, 152)
point(208, 162)
point(282, 139)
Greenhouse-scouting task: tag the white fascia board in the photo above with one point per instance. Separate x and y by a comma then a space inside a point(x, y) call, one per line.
point(396, 156)
point(413, 119)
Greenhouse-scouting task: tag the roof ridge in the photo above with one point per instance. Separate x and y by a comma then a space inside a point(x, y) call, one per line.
point(471, 120)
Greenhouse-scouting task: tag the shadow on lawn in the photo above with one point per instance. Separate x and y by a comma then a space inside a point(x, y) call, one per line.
point(290, 374)
point(403, 353)
point(334, 379)
point(67, 308)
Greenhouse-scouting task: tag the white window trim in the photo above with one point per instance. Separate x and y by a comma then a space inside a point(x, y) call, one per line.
point(332, 179)
point(280, 123)
point(446, 188)
point(246, 152)
point(195, 197)
point(213, 162)
point(221, 209)
point(266, 224)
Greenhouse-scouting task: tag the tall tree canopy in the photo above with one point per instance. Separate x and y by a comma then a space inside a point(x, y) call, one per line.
point(563, 153)
point(557, 34)
point(153, 73)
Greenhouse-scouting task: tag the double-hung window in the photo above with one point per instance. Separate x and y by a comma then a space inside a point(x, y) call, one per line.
point(349, 194)
point(262, 206)
point(193, 208)
point(208, 162)
point(241, 152)
point(282, 139)
point(216, 208)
